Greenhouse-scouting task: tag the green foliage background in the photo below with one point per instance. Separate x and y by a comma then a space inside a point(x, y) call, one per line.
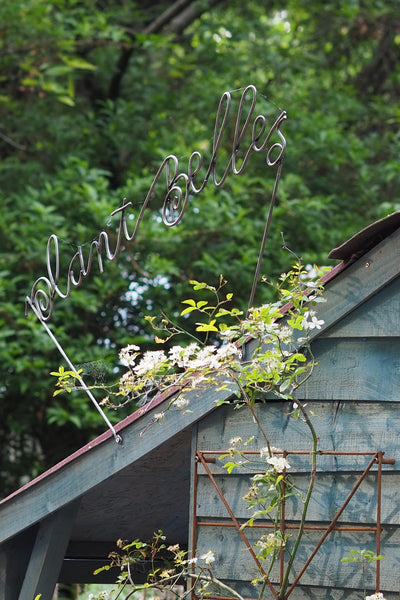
point(95, 93)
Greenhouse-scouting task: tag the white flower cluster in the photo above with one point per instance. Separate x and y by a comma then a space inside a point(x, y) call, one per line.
point(101, 596)
point(285, 334)
point(311, 274)
point(206, 359)
point(272, 363)
point(128, 355)
point(235, 441)
point(150, 361)
point(229, 351)
point(265, 452)
point(310, 321)
point(182, 357)
point(208, 557)
point(376, 596)
point(270, 542)
point(278, 463)
point(191, 357)
point(194, 357)
point(180, 403)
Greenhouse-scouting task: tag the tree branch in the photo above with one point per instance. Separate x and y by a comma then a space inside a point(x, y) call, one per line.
point(166, 16)
point(114, 89)
point(8, 140)
point(387, 55)
point(190, 14)
point(173, 20)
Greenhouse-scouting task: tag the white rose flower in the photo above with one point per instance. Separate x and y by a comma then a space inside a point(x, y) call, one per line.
point(208, 557)
point(235, 441)
point(228, 351)
point(278, 463)
point(310, 321)
point(128, 354)
point(151, 360)
point(180, 403)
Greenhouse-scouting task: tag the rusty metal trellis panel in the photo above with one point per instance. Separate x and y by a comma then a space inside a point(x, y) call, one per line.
point(377, 458)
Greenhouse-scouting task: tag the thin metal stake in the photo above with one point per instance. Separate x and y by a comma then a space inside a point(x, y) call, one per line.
point(265, 236)
point(117, 436)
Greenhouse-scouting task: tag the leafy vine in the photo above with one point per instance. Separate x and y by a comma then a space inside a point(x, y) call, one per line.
point(280, 360)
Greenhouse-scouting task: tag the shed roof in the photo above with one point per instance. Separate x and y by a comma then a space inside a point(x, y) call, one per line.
point(105, 491)
point(367, 238)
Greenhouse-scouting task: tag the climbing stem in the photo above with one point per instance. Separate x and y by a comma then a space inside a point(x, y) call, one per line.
point(250, 406)
point(306, 419)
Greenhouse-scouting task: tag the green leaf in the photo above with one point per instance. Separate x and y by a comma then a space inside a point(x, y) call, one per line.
point(101, 569)
point(202, 304)
point(66, 100)
point(197, 285)
point(229, 466)
point(187, 310)
point(285, 385)
point(29, 81)
point(207, 326)
point(76, 62)
point(57, 70)
point(349, 559)
point(189, 301)
point(222, 312)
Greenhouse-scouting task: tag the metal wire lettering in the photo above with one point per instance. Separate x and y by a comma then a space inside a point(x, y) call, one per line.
point(179, 186)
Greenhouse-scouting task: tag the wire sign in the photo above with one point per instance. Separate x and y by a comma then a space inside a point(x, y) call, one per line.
point(252, 133)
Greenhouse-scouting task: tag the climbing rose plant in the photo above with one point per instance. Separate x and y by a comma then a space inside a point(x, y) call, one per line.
point(279, 361)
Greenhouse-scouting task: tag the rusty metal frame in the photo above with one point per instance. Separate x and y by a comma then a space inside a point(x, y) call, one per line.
point(204, 457)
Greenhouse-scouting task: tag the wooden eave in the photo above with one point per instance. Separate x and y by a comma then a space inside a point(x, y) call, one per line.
point(125, 490)
point(350, 284)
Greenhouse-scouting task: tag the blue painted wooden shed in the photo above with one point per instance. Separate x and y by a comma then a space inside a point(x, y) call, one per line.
point(62, 525)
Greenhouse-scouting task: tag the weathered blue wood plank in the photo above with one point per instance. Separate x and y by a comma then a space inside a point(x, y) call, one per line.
point(355, 369)
point(329, 494)
point(310, 592)
point(344, 426)
point(378, 317)
point(142, 483)
point(64, 485)
point(234, 562)
point(341, 426)
point(360, 281)
point(48, 554)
